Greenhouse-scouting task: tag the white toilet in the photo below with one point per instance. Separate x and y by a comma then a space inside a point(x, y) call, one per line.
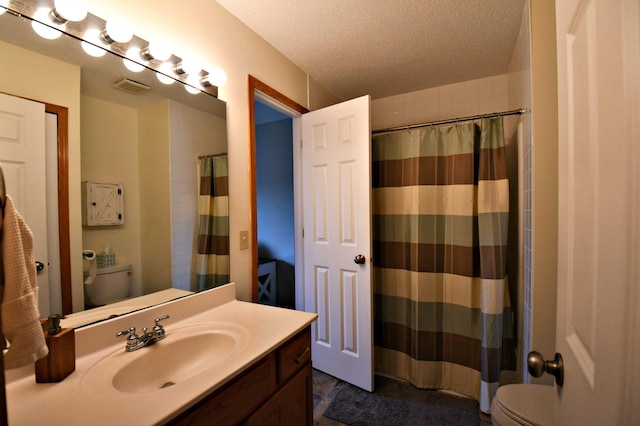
point(110, 285)
point(523, 404)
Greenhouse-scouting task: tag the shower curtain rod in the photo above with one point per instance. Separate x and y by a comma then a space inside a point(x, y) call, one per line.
point(451, 120)
point(200, 157)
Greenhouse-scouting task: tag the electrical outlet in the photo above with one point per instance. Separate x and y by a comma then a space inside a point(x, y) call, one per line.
point(244, 239)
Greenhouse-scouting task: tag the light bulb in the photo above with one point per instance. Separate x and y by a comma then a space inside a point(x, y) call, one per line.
point(50, 32)
point(133, 54)
point(158, 49)
point(165, 70)
point(193, 85)
point(188, 66)
point(217, 77)
point(117, 30)
point(69, 10)
point(93, 45)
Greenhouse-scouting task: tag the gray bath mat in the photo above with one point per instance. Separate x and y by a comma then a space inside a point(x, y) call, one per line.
point(398, 403)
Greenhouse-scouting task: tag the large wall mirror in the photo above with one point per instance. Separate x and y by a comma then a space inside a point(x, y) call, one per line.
point(146, 136)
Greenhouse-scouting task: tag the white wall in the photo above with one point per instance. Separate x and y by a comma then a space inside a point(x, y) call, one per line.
point(192, 133)
point(207, 30)
point(520, 97)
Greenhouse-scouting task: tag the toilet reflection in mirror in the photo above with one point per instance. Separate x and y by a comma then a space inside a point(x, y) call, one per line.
point(109, 285)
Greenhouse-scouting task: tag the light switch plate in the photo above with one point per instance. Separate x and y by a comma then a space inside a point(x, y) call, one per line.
point(244, 239)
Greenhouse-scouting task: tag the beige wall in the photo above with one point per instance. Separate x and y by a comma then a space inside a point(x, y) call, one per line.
point(219, 39)
point(155, 198)
point(319, 97)
point(544, 104)
point(110, 155)
point(59, 86)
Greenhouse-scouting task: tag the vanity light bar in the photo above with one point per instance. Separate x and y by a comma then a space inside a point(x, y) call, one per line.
point(116, 37)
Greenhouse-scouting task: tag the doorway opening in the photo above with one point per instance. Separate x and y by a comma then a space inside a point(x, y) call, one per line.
point(274, 198)
point(275, 218)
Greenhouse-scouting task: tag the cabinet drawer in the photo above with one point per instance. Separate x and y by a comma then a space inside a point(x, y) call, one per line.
point(294, 355)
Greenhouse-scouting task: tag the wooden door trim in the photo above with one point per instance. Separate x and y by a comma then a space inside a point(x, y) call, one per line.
point(63, 204)
point(255, 84)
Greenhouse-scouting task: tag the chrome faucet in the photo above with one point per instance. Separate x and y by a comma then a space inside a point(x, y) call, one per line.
point(147, 338)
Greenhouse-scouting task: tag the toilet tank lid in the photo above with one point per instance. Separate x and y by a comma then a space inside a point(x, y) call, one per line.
point(112, 269)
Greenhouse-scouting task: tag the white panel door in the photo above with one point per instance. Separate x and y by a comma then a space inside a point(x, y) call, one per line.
point(598, 211)
point(22, 157)
point(337, 229)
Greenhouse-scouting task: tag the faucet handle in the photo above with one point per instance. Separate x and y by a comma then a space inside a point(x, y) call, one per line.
point(157, 320)
point(133, 341)
point(158, 330)
point(130, 332)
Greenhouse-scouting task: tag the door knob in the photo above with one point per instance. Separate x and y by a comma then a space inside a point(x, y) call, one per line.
point(537, 366)
point(359, 259)
point(39, 266)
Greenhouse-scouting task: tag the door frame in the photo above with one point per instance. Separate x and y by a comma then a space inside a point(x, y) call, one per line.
point(259, 90)
point(63, 204)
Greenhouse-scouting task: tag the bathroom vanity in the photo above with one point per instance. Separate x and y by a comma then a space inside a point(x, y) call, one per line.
point(222, 361)
point(276, 390)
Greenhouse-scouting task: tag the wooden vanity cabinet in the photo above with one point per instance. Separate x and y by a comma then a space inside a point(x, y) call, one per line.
point(276, 390)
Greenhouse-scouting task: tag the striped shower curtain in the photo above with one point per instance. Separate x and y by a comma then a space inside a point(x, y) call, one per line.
point(212, 258)
point(441, 299)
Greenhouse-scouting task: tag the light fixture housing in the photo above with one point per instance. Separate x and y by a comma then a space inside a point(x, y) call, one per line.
point(117, 30)
point(68, 10)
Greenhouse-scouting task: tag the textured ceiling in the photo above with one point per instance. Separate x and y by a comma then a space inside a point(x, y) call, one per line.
point(387, 47)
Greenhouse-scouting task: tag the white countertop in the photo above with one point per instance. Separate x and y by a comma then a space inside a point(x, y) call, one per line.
point(90, 316)
point(68, 403)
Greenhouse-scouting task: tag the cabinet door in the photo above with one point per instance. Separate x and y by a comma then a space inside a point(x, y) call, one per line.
point(292, 405)
point(237, 400)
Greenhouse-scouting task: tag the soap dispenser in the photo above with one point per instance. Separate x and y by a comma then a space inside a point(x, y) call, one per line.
point(61, 360)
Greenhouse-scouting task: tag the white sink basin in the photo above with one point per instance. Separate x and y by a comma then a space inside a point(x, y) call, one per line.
point(184, 354)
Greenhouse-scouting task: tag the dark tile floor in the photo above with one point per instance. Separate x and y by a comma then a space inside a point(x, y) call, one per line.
point(325, 388)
